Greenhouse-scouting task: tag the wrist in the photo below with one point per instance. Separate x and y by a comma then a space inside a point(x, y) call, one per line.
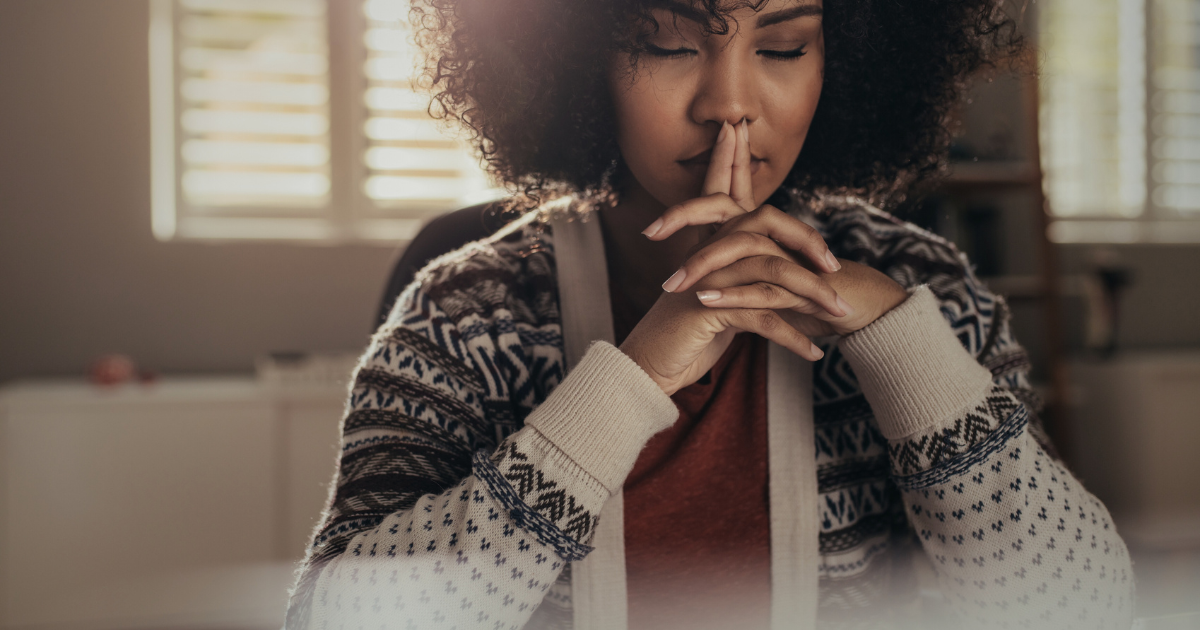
point(631, 350)
point(881, 301)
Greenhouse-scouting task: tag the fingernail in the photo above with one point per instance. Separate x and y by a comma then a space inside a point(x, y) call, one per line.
point(724, 132)
point(708, 296)
point(817, 352)
point(653, 228)
point(832, 260)
point(674, 281)
point(842, 304)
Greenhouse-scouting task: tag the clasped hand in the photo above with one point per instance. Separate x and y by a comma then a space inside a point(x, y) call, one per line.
point(761, 271)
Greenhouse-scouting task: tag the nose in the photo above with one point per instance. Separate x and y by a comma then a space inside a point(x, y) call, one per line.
point(725, 91)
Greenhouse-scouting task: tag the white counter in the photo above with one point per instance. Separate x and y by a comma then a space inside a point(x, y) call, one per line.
point(183, 503)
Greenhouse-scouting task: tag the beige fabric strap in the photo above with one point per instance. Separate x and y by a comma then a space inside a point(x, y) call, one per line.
point(793, 491)
point(598, 581)
point(582, 285)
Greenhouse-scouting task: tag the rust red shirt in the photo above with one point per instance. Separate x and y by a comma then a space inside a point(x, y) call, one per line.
point(697, 527)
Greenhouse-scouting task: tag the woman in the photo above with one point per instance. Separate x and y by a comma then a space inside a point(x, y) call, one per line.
point(498, 472)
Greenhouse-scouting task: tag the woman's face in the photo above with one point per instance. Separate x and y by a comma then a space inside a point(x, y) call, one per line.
point(766, 69)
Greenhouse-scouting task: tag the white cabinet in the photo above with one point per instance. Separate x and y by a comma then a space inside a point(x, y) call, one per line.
point(184, 503)
point(1136, 434)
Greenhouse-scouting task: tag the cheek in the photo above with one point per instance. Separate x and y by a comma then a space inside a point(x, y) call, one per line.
point(794, 107)
point(638, 122)
point(648, 133)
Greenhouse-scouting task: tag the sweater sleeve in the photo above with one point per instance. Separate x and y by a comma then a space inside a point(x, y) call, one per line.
point(432, 523)
point(1014, 538)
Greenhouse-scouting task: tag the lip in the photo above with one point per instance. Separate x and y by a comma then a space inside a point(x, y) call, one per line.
point(699, 162)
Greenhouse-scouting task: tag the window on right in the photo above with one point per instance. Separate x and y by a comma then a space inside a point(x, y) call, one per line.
point(1120, 120)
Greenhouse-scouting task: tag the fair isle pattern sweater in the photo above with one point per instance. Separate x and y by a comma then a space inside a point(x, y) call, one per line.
point(473, 469)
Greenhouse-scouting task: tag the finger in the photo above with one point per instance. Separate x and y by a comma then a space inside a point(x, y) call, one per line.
point(720, 162)
point(780, 273)
point(762, 295)
point(741, 185)
point(716, 208)
point(769, 324)
point(789, 231)
point(723, 251)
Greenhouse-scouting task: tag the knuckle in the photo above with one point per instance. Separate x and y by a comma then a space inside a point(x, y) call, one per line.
point(768, 291)
point(775, 267)
point(703, 258)
point(762, 241)
point(812, 233)
point(767, 320)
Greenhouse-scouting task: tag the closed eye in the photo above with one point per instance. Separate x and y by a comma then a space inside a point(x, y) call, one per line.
point(667, 53)
point(794, 53)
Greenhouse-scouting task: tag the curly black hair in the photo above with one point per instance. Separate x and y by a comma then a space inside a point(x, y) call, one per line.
point(528, 80)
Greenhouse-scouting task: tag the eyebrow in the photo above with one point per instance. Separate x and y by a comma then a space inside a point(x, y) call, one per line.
point(783, 15)
point(775, 17)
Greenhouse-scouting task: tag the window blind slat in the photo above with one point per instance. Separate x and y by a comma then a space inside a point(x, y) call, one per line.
point(1093, 113)
point(1121, 110)
point(411, 160)
point(253, 73)
point(1176, 103)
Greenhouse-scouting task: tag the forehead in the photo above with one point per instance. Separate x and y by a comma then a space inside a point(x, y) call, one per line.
point(762, 12)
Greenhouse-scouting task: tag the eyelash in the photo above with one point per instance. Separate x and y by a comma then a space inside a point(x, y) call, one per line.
point(673, 53)
point(794, 53)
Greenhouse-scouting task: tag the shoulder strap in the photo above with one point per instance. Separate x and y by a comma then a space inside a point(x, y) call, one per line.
point(597, 582)
point(582, 284)
point(793, 490)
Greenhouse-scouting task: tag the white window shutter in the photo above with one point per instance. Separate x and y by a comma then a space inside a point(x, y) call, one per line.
point(248, 142)
point(412, 162)
point(249, 115)
point(1175, 107)
point(1093, 112)
point(1120, 119)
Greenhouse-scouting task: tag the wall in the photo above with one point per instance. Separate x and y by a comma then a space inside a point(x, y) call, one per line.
point(1161, 308)
point(80, 272)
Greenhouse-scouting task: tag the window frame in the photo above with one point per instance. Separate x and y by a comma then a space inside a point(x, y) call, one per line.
point(1151, 224)
point(349, 217)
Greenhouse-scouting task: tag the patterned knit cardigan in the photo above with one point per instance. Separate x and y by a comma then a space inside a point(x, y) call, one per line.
point(447, 513)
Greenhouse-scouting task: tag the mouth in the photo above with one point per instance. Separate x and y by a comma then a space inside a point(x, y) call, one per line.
point(699, 162)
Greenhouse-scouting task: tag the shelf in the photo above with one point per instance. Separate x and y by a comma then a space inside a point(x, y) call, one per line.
point(998, 173)
point(1030, 287)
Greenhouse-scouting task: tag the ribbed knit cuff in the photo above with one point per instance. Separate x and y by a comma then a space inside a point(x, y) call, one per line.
point(603, 413)
point(913, 370)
